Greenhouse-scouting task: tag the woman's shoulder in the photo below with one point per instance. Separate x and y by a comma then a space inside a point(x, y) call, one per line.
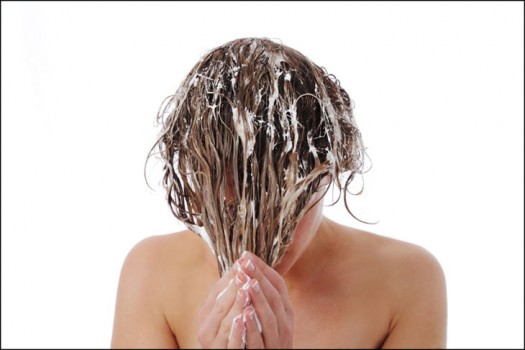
point(156, 280)
point(410, 278)
point(393, 256)
point(409, 262)
point(170, 257)
point(183, 246)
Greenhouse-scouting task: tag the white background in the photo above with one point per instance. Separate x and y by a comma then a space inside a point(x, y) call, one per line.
point(438, 91)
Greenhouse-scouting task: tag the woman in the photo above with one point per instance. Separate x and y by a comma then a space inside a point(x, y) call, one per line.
point(250, 139)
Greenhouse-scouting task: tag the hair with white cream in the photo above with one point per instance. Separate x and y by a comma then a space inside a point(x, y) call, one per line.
point(262, 117)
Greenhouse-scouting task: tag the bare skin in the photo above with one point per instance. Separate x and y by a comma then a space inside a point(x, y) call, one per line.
point(347, 288)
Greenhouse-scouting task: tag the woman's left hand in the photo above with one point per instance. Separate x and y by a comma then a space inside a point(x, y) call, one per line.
point(270, 306)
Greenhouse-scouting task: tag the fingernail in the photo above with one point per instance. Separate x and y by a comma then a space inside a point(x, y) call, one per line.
point(249, 265)
point(250, 314)
point(255, 286)
point(238, 321)
point(259, 327)
point(234, 325)
point(241, 278)
point(247, 301)
point(246, 286)
point(240, 296)
point(237, 280)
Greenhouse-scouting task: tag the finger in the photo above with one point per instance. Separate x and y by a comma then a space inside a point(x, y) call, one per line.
point(218, 290)
point(254, 338)
point(235, 337)
point(266, 316)
point(212, 321)
point(273, 276)
point(242, 299)
point(279, 302)
point(271, 296)
point(283, 320)
point(223, 282)
point(220, 315)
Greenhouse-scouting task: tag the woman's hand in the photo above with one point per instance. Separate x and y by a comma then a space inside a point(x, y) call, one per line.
point(248, 306)
point(270, 306)
point(220, 318)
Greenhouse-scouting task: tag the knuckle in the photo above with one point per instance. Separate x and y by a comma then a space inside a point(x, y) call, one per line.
point(224, 329)
point(281, 286)
point(288, 328)
point(259, 275)
point(273, 301)
point(270, 323)
point(220, 308)
point(202, 336)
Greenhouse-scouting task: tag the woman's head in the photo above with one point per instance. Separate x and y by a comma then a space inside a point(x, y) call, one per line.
point(247, 139)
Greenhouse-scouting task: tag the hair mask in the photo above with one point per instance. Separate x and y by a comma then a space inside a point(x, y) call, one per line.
point(245, 142)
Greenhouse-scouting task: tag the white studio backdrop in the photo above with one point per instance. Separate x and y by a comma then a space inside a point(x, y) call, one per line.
point(438, 92)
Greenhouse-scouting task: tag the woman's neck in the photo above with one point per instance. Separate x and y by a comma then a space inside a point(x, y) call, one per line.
point(313, 260)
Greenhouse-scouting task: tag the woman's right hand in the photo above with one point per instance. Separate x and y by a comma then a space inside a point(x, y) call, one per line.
point(220, 318)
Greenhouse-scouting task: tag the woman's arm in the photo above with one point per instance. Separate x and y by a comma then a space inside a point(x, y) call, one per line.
point(420, 318)
point(139, 319)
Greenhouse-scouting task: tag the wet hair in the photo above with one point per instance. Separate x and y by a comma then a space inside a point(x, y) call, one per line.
point(263, 117)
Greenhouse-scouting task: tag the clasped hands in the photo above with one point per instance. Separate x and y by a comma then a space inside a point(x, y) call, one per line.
point(247, 308)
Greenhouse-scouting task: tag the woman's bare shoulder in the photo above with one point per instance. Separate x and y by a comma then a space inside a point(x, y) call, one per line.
point(154, 285)
point(170, 258)
point(414, 283)
point(183, 246)
point(395, 256)
point(404, 269)
point(152, 260)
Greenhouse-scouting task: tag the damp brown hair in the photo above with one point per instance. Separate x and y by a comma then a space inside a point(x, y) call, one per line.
point(246, 140)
